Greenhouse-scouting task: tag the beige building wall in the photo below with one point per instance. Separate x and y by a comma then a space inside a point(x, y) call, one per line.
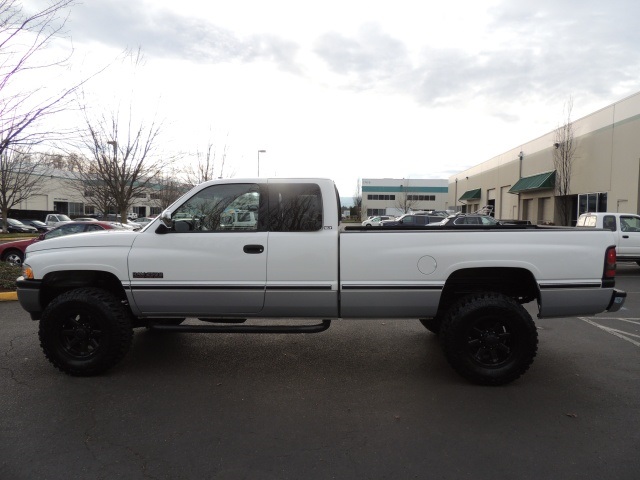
point(607, 161)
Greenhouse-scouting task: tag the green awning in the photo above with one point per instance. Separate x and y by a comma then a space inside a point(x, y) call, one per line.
point(471, 195)
point(541, 181)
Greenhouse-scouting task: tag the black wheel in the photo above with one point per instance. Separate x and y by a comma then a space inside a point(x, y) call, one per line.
point(85, 331)
point(489, 338)
point(432, 324)
point(14, 257)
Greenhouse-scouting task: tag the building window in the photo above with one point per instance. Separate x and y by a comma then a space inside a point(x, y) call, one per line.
point(592, 202)
point(372, 212)
point(380, 197)
point(421, 198)
point(76, 209)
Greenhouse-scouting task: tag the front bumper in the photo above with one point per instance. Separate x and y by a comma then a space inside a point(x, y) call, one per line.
point(617, 300)
point(29, 296)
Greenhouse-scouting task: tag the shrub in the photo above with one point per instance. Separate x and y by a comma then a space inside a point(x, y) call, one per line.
point(8, 275)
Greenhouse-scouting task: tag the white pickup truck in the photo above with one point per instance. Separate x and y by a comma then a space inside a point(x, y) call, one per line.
point(466, 283)
point(625, 228)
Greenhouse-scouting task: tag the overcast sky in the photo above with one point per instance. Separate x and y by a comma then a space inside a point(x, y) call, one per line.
point(358, 89)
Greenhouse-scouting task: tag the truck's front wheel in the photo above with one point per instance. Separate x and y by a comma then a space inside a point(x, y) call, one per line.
point(85, 331)
point(489, 338)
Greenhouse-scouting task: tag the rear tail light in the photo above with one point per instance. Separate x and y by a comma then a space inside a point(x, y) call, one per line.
point(610, 263)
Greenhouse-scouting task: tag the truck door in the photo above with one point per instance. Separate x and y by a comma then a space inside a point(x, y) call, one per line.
point(302, 272)
point(202, 266)
point(629, 236)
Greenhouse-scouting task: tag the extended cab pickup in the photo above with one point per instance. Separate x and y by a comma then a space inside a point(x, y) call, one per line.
point(625, 228)
point(468, 285)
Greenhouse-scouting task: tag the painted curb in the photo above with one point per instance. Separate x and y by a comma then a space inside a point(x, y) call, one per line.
point(8, 296)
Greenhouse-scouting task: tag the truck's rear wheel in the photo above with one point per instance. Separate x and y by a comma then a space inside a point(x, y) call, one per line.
point(489, 338)
point(85, 331)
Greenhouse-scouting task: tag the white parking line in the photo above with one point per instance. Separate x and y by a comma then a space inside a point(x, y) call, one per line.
point(618, 333)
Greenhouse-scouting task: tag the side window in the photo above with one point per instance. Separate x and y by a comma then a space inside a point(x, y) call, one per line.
point(229, 207)
point(93, 228)
point(630, 224)
point(609, 222)
point(295, 207)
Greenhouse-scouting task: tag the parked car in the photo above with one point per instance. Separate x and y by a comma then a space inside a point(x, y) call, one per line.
point(13, 252)
point(144, 221)
point(40, 226)
point(127, 226)
point(375, 221)
point(16, 226)
point(469, 219)
point(55, 219)
point(412, 220)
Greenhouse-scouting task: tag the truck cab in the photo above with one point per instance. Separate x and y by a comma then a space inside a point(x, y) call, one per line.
point(625, 227)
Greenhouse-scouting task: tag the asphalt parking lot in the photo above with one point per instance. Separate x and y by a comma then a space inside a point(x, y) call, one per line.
point(365, 400)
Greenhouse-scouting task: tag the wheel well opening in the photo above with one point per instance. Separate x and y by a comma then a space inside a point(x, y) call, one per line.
point(517, 283)
point(56, 283)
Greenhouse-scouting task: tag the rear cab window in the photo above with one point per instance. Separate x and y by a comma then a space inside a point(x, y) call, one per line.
point(295, 207)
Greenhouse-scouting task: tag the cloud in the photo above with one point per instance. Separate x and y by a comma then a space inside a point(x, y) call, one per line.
point(371, 57)
point(537, 49)
point(527, 51)
point(126, 24)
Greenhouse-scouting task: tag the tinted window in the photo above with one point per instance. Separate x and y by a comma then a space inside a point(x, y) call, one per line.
point(219, 208)
point(295, 207)
point(609, 222)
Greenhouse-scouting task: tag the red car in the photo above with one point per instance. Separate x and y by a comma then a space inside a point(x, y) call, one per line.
point(13, 252)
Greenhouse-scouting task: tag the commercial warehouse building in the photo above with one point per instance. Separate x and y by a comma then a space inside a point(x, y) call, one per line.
point(520, 183)
point(389, 196)
point(62, 192)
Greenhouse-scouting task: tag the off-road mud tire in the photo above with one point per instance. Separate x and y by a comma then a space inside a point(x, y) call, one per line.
point(85, 332)
point(489, 338)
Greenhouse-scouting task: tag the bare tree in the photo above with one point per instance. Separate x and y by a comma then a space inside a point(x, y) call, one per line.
point(23, 110)
point(564, 154)
point(206, 165)
point(357, 199)
point(167, 189)
point(20, 178)
point(404, 201)
point(86, 183)
point(23, 38)
point(124, 159)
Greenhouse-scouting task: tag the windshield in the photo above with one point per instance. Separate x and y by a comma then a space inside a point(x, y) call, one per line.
point(63, 218)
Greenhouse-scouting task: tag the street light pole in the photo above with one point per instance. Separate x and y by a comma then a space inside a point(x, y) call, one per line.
point(259, 152)
point(115, 146)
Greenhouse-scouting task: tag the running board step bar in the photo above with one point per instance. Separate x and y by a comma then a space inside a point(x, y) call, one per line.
point(317, 328)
